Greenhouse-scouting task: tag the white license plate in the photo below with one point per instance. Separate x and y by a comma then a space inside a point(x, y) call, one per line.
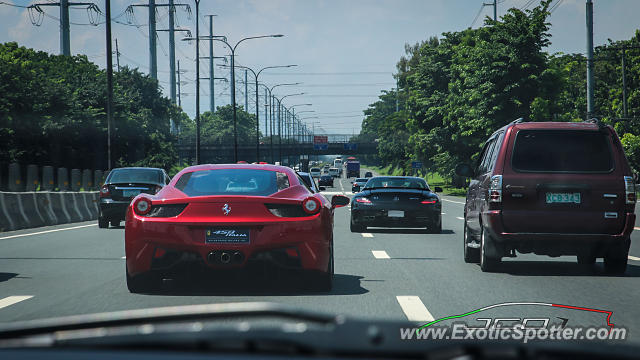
point(563, 198)
point(130, 193)
point(395, 213)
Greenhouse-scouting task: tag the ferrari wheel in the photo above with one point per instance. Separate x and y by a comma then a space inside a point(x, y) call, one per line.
point(323, 281)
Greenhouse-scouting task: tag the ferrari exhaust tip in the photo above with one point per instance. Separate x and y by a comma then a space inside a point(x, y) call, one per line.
point(212, 257)
point(225, 257)
point(238, 257)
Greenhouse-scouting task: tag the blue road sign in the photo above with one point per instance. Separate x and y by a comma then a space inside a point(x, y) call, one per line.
point(350, 146)
point(416, 164)
point(320, 146)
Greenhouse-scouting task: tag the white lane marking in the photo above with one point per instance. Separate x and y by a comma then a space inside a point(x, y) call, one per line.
point(46, 231)
point(366, 234)
point(10, 300)
point(457, 202)
point(634, 258)
point(443, 213)
point(380, 254)
point(636, 228)
point(124, 257)
point(459, 218)
point(414, 309)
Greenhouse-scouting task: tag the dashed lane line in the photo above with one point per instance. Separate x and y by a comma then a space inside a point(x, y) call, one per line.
point(635, 258)
point(46, 231)
point(636, 228)
point(414, 309)
point(457, 202)
point(459, 218)
point(366, 234)
point(10, 300)
point(380, 254)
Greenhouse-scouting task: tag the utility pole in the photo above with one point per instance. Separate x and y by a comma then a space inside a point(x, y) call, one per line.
point(197, 82)
point(266, 116)
point(65, 43)
point(109, 69)
point(590, 96)
point(153, 56)
point(117, 56)
point(212, 98)
point(246, 92)
point(495, 9)
point(179, 94)
point(624, 86)
point(397, 92)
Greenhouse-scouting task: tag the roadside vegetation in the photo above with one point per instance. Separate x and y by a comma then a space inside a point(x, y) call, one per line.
point(457, 89)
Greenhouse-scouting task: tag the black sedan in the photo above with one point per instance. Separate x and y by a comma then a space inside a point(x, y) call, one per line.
point(357, 184)
point(325, 180)
point(122, 185)
point(396, 201)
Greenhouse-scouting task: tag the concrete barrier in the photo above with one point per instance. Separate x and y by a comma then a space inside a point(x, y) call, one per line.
point(15, 178)
point(43, 199)
point(72, 207)
point(21, 210)
point(47, 178)
point(32, 178)
point(97, 179)
point(29, 206)
point(90, 203)
point(59, 206)
point(76, 179)
point(63, 179)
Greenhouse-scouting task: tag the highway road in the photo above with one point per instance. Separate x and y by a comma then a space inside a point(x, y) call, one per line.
point(383, 274)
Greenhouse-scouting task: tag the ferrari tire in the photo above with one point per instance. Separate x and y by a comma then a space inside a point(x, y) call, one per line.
point(103, 223)
point(142, 283)
point(323, 281)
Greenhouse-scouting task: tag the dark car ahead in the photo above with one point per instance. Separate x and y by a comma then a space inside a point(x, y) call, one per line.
point(550, 188)
point(357, 184)
point(368, 174)
point(309, 181)
point(122, 185)
point(396, 201)
point(325, 180)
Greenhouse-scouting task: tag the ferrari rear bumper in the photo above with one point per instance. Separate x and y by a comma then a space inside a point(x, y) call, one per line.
point(157, 245)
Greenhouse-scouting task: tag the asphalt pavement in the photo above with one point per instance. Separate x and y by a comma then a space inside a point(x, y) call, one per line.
point(383, 274)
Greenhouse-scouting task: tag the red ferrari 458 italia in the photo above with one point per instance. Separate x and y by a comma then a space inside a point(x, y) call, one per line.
point(226, 216)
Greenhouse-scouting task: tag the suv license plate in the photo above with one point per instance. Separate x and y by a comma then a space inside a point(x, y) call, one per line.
point(563, 198)
point(395, 213)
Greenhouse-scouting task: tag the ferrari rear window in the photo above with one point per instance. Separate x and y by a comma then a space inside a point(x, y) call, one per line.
point(232, 182)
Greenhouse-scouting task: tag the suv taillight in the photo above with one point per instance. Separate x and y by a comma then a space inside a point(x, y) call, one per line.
point(630, 190)
point(104, 191)
point(495, 189)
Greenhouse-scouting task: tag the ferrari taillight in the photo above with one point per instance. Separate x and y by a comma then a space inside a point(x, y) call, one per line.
point(166, 210)
point(142, 206)
point(311, 205)
point(104, 191)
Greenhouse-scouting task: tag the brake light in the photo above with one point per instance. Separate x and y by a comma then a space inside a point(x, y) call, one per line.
point(363, 200)
point(311, 205)
point(428, 201)
point(142, 206)
point(495, 189)
point(104, 191)
point(630, 190)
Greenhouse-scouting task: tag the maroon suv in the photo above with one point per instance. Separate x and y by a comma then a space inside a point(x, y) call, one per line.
point(550, 188)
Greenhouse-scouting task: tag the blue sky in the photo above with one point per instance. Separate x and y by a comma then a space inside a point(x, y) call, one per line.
point(346, 50)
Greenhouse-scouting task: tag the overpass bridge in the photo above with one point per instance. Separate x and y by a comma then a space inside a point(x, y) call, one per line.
point(287, 152)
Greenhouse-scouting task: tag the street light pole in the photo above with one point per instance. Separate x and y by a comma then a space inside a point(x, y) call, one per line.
point(197, 80)
point(279, 121)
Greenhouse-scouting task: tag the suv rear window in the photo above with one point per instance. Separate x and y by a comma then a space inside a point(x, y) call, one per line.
point(232, 182)
point(569, 151)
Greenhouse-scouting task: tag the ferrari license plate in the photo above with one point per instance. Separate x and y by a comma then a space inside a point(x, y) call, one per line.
point(395, 213)
point(227, 236)
point(563, 198)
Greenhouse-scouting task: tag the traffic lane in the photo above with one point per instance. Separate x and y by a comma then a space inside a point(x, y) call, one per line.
point(71, 280)
point(435, 272)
